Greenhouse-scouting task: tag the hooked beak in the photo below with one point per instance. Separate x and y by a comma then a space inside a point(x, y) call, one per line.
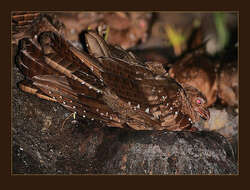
point(204, 113)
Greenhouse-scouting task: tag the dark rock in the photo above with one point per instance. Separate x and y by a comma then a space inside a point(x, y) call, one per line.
point(23, 163)
point(224, 121)
point(162, 152)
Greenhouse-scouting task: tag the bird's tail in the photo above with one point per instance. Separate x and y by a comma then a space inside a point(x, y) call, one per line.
point(57, 70)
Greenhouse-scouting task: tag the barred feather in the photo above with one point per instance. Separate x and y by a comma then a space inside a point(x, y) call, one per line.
point(109, 85)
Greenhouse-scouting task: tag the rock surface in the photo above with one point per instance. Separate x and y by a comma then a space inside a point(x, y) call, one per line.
point(170, 153)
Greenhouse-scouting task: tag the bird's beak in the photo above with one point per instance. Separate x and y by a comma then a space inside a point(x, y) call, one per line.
point(204, 113)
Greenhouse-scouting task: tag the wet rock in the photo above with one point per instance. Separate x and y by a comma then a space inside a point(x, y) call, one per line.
point(23, 163)
point(151, 152)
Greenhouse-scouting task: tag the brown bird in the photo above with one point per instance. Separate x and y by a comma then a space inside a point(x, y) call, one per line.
point(196, 69)
point(109, 85)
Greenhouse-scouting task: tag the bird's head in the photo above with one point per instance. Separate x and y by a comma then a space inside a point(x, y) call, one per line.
point(198, 102)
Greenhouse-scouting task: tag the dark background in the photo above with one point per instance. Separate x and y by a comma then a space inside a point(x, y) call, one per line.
point(219, 182)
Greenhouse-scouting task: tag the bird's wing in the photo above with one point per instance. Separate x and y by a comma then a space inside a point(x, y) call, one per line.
point(149, 95)
point(61, 76)
point(84, 101)
point(159, 102)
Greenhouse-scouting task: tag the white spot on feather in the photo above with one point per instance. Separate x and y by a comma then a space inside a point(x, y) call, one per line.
point(159, 77)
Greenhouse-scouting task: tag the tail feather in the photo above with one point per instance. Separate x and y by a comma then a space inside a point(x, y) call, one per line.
point(86, 103)
point(63, 77)
point(30, 60)
point(28, 87)
point(65, 49)
point(33, 61)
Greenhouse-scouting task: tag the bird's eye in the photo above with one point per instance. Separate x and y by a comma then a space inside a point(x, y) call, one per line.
point(198, 101)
